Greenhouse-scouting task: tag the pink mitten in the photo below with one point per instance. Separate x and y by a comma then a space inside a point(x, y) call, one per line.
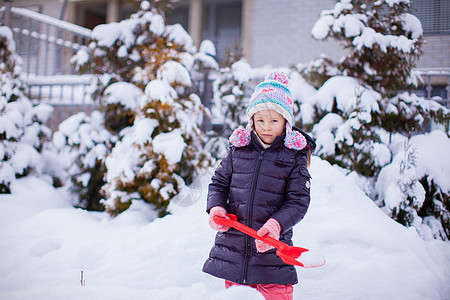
point(218, 211)
point(272, 228)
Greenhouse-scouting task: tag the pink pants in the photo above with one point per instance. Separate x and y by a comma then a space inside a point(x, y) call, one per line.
point(270, 291)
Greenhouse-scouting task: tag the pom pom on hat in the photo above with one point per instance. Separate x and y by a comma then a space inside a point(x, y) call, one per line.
point(241, 137)
point(295, 140)
point(277, 76)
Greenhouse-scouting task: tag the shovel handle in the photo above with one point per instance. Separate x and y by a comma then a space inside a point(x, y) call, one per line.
point(233, 222)
point(288, 254)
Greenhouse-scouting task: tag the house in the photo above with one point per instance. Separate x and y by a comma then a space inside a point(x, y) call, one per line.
point(268, 32)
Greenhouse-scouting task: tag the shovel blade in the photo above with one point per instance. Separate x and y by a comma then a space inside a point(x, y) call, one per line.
point(300, 257)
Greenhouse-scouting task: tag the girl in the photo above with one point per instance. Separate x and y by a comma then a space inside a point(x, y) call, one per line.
point(264, 181)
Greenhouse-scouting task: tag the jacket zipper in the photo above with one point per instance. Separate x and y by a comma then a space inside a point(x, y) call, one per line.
point(248, 239)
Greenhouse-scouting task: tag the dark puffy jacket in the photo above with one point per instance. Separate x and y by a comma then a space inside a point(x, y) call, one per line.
point(255, 185)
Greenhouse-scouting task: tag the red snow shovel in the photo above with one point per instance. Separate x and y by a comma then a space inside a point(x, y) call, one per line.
point(289, 254)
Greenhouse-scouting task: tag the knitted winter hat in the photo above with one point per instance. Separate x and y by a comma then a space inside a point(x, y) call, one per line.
point(271, 94)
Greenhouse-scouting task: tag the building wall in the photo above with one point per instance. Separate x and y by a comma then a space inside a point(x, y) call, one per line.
point(281, 33)
point(436, 52)
point(274, 32)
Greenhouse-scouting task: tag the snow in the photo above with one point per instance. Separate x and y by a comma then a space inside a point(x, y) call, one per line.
point(391, 3)
point(160, 90)
point(241, 71)
point(145, 5)
point(321, 28)
point(122, 32)
point(174, 73)
point(9, 123)
point(47, 244)
point(51, 250)
point(170, 144)
point(108, 34)
point(156, 23)
point(123, 93)
point(207, 47)
point(122, 161)
point(41, 112)
point(8, 34)
point(323, 132)
point(421, 157)
point(435, 144)
point(178, 35)
point(357, 26)
point(370, 37)
point(348, 93)
point(425, 149)
point(300, 89)
point(412, 24)
point(25, 156)
point(352, 26)
point(70, 125)
point(144, 128)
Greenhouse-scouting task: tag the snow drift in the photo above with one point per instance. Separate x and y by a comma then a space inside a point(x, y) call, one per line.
point(46, 243)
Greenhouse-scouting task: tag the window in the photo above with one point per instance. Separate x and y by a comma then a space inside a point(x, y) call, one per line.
point(223, 26)
point(434, 15)
point(221, 23)
point(179, 15)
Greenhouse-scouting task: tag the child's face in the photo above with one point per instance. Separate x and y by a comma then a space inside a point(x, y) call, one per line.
point(268, 125)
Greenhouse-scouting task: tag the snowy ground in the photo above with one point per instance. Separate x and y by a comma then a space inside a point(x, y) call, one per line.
point(46, 243)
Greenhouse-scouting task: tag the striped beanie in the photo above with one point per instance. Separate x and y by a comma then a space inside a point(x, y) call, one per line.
point(271, 94)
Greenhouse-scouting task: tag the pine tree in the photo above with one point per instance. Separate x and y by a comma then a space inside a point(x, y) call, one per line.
point(84, 142)
point(383, 40)
point(344, 126)
point(22, 131)
point(158, 148)
point(414, 193)
point(231, 94)
point(319, 70)
point(232, 89)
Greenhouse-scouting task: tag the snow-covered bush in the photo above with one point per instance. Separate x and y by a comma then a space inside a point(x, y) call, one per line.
point(383, 39)
point(119, 102)
point(357, 114)
point(343, 110)
point(158, 154)
point(408, 113)
point(415, 187)
point(231, 95)
point(319, 70)
point(83, 143)
point(349, 120)
point(22, 130)
point(158, 148)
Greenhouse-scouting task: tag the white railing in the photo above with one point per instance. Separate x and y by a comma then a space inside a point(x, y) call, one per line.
point(46, 45)
point(60, 89)
point(436, 84)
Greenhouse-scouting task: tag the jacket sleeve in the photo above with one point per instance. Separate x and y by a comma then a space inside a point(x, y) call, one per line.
point(297, 196)
point(219, 188)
